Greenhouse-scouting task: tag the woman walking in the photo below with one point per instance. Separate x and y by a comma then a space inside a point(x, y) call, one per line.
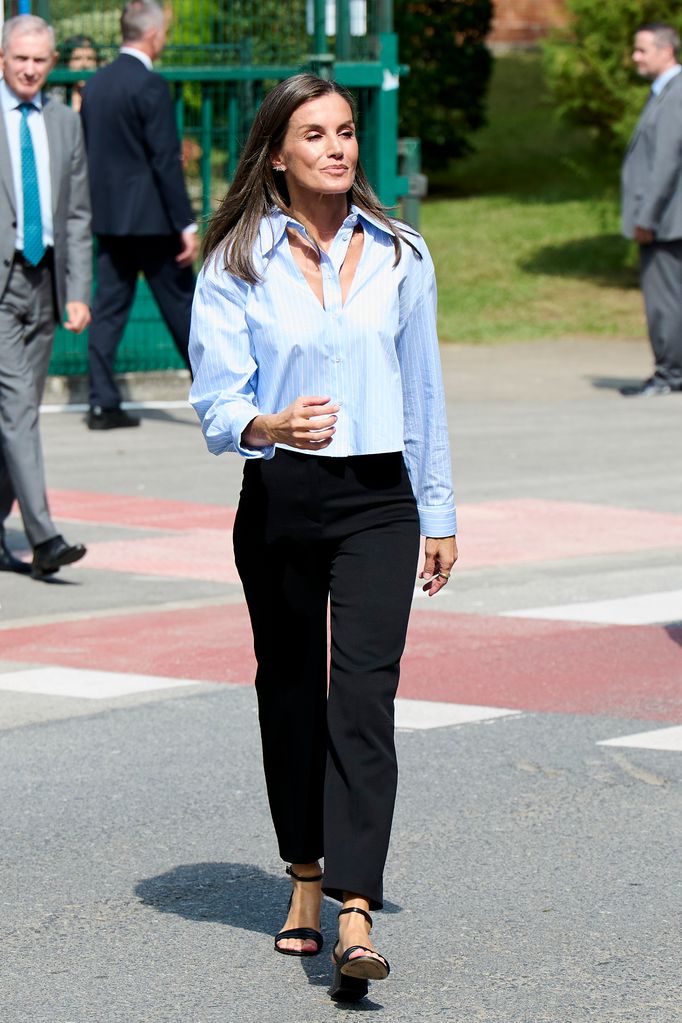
point(315, 358)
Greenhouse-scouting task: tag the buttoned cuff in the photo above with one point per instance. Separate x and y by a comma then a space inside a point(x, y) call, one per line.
point(437, 521)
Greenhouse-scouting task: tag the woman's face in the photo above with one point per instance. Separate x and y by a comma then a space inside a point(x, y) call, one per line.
point(320, 150)
point(82, 58)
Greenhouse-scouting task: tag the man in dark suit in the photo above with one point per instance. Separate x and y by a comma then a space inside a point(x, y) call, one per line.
point(45, 275)
point(652, 204)
point(142, 216)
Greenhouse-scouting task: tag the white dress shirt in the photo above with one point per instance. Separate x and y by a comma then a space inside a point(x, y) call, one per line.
point(36, 123)
point(256, 348)
point(660, 83)
point(132, 51)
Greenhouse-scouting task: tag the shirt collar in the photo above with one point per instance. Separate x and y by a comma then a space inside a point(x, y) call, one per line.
point(660, 83)
point(273, 226)
point(131, 51)
point(10, 100)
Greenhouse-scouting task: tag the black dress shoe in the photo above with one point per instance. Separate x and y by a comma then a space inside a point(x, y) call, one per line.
point(50, 556)
point(8, 563)
point(110, 419)
point(649, 389)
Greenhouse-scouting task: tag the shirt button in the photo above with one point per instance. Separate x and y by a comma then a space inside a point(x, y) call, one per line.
point(337, 359)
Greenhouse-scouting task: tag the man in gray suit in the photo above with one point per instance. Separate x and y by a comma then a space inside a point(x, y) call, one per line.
point(45, 270)
point(652, 204)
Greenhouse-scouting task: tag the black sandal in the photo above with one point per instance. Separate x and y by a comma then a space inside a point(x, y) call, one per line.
point(302, 933)
point(350, 978)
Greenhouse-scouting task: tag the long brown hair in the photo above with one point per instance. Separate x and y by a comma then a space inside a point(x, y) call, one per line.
point(256, 188)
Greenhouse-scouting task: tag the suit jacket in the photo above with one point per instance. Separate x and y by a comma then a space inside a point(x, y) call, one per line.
point(652, 168)
point(136, 181)
point(70, 206)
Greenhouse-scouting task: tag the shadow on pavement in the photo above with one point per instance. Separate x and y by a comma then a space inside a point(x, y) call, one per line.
point(674, 630)
point(244, 896)
point(168, 416)
point(613, 383)
point(239, 894)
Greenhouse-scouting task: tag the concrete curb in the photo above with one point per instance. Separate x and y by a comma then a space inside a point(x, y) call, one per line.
point(159, 385)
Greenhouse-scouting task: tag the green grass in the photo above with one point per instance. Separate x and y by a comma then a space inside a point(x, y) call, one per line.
point(525, 231)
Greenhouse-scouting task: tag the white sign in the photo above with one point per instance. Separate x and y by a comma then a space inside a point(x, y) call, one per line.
point(358, 17)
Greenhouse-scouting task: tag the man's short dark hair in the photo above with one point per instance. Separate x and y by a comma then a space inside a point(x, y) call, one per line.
point(138, 17)
point(664, 35)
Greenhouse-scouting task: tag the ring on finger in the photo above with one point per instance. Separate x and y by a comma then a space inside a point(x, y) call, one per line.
point(443, 575)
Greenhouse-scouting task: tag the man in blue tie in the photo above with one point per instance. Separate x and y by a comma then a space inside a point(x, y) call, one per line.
point(45, 275)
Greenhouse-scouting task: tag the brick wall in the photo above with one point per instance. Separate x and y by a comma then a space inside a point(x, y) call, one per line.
point(521, 22)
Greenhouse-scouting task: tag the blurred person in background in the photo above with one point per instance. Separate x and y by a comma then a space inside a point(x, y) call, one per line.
point(652, 204)
point(45, 275)
point(141, 214)
point(79, 53)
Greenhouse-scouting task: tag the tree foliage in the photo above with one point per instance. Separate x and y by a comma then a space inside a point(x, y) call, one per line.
point(442, 100)
point(589, 67)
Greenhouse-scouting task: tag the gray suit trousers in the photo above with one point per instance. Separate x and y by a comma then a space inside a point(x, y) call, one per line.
point(661, 277)
point(26, 335)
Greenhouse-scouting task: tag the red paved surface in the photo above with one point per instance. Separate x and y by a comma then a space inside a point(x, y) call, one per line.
point(138, 512)
point(491, 533)
point(512, 532)
point(199, 554)
point(564, 667)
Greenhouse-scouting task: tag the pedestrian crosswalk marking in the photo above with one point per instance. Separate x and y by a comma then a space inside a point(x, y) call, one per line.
point(658, 739)
point(414, 715)
point(84, 684)
point(644, 609)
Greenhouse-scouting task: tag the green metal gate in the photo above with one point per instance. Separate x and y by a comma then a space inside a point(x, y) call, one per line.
point(220, 61)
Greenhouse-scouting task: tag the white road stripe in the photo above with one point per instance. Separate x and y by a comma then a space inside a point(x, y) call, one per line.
point(103, 685)
point(79, 407)
point(646, 609)
point(420, 714)
point(661, 738)
point(90, 685)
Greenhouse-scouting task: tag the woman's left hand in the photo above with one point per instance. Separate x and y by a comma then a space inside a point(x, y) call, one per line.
point(440, 554)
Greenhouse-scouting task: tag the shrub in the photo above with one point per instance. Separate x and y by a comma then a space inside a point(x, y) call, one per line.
point(589, 67)
point(442, 100)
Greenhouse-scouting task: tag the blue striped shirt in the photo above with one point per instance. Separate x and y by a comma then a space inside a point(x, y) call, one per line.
point(256, 348)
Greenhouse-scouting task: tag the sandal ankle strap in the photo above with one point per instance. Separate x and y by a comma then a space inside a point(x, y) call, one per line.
point(362, 912)
point(298, 877)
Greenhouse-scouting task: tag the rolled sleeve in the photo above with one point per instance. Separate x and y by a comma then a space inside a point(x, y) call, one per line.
point(223, 392)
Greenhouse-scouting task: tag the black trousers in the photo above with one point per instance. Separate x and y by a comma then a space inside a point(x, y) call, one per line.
point(311, 531)
point(119, 262)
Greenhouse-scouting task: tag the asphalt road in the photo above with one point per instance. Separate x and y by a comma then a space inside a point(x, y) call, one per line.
point(534, 872)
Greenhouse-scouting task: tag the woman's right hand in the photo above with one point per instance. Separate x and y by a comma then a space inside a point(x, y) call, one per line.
point(309, 423)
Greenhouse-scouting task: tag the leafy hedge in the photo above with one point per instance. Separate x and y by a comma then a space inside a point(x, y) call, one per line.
point(442, 100)
point(589, 67)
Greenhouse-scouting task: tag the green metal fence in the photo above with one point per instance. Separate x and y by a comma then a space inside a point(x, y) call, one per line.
point(220, 60)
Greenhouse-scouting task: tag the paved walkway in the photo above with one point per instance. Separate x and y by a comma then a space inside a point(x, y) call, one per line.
point(534, 865)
